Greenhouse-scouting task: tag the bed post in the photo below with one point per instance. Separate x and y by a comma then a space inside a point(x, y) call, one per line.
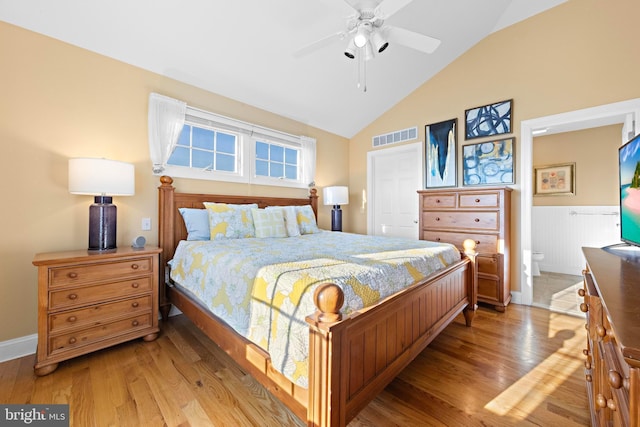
point(469, 246)
point(326, 406)
point(313, 200)
point(165, 237)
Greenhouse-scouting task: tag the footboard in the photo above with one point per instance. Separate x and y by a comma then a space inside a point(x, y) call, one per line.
point(353, 359)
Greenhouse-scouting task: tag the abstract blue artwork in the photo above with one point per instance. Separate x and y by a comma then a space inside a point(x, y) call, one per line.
point(440, 151)
point(488, 120)
point(488, 163)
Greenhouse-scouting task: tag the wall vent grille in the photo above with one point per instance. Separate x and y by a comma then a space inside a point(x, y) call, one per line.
point(395, 137)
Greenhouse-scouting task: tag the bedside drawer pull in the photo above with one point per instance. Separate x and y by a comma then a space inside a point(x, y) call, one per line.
point(72, 275)
point(477, 220)
point(135, 304)
point(135, 266)
point(135, 323)
point(72, 340)
point(72, 319)
point(72, 296)
point(135, 285)
point(477, 200)
point(437, 200)
point(615, 379)
point(437, 218)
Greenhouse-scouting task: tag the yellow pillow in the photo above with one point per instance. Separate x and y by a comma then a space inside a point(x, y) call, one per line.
point(306, 220)
point(229, 221)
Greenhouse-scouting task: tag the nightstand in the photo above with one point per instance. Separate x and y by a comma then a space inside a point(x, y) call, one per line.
point(87, 302)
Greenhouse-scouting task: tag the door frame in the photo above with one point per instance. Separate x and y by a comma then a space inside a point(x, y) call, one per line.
point(417, 147)
point(625, 112)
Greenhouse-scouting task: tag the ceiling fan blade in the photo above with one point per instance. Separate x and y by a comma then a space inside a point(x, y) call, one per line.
point(411, 39)
point(360, 5)
point(318, 44)
point(387, 8)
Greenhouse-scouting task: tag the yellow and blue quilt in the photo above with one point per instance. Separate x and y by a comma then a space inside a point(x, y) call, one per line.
point(263, 288)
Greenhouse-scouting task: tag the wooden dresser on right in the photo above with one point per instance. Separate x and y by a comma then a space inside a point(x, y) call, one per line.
point(482, 214)
point(612, 305)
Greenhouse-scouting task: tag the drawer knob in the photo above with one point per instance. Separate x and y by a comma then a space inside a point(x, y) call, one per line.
point(437, 239)
point(584, 307)
point(581, 292)
point(477, 200)
point(615, 379)
point(587, 364)
point(135, 323)
point(611, 404)
point(134, 266)
point(437, 200)
point(72, 275)
point(477, 242)
point(437, 218)
point(72, 319)
point(589, 378)
point(585, 352)
point(135, 304)
point(135, 285)
point(601, 331)
point(72, 296)
point(72, 340)
point(477, 220)
point(601, 401)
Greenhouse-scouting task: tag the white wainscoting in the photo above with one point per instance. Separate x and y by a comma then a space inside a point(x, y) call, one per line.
point(560, 232)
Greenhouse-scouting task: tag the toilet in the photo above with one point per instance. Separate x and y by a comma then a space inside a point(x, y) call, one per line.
point(535, 258)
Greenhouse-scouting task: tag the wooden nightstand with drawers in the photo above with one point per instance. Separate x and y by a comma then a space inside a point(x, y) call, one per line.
point(87, 302)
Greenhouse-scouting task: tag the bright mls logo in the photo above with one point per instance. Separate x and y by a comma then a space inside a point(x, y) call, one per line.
point(34, 415)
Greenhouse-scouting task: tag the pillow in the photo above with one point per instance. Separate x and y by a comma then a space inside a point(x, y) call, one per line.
point(306, 220)
point(228, 221)
point(197, 223)
point(268, 223)
point(290, 220)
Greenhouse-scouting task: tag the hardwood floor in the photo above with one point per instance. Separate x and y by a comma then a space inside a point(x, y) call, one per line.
point(523, 367)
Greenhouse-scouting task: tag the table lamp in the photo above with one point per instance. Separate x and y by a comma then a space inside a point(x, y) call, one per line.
point(336, 196)
point(102, 178)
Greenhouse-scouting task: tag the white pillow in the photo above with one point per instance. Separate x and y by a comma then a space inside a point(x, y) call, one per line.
point(290, 221)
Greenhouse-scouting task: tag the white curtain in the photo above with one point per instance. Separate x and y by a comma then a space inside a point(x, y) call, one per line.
point(309, 160)
point(166, 119)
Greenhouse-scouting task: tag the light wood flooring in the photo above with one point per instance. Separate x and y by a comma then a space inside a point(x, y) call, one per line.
point(558, 292)
point(523, 367)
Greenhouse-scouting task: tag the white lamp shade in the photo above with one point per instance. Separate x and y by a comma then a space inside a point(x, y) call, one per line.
point(337, 195)
point(101, 177)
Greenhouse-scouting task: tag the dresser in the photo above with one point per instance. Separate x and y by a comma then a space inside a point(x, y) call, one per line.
point(611, 294)
point(480, 214)
point(88, 302)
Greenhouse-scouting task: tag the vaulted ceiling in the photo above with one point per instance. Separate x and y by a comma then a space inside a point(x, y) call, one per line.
point(244, 49)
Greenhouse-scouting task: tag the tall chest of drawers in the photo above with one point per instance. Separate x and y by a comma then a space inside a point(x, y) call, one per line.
point(480, 214)
point(88, 302)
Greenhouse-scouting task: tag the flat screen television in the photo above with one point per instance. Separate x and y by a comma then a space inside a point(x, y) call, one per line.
point(629, 167)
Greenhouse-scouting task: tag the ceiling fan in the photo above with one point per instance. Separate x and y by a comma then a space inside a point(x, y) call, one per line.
point(367, 34)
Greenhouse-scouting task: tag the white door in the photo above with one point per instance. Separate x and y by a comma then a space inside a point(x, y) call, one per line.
point(394, 177)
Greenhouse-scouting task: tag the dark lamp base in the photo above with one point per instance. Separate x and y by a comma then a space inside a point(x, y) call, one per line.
point(102, 225)
point(336, 218)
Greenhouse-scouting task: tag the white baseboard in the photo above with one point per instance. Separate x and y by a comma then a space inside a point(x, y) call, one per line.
point(516, 297)
point(18, 347)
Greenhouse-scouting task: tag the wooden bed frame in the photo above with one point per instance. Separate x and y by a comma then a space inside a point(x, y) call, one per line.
point(351, 358)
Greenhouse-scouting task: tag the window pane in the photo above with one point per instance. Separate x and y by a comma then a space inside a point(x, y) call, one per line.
point(226, 143)
point(202, 138)
point(291, 172)
point(277, 153)
point(262, 168)
point(225, 162)
point(202, 159)
point(277, 170)
point(185, 136)
point(291, 156)
point(262, 150)
point(179, 157)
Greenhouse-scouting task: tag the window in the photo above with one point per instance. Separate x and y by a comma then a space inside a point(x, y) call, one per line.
point(192, 143)
point(205, 149)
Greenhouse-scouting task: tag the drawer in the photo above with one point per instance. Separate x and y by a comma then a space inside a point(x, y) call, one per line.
point(77, 297)
point(82, 273)
point(488, 288)
point(97, 314)
point(463, 220)
point(484, 242)
point(489, 264)
point(480, 200)
point(439, 201)
point(88, 336)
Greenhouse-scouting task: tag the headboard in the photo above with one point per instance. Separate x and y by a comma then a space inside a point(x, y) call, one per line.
point(171, 227)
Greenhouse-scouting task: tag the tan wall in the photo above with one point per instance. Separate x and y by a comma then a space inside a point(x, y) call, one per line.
point(577, 55)
point(595, 154)
point(60, 101)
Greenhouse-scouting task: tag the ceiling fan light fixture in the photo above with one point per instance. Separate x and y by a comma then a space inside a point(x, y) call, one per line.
point(362, 35)
point(380, 43)
point(350, 50)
